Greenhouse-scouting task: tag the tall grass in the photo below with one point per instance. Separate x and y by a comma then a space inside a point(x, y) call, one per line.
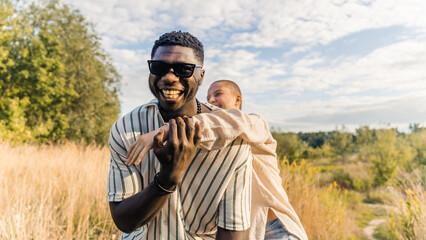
point(54, 192)
point(323, 211)
point(58, 192)
point(408, 221)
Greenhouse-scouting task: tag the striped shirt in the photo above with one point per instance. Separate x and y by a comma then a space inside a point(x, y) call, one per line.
point(215, 189)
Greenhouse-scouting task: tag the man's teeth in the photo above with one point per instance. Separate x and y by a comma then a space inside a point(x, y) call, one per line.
point(171, 93)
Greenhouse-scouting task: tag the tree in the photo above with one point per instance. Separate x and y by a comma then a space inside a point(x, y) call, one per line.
point(386, 154)
point(364, 140)
point(87, 68)
point(289, 145)
point(33, 90)
point(55, 80)
point(342, 143)
point(418, 141)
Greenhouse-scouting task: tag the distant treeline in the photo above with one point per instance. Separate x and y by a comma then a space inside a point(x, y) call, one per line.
point(56, 82)
point(385, 150)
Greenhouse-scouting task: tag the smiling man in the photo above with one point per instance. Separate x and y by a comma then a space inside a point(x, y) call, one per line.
point(177, 191)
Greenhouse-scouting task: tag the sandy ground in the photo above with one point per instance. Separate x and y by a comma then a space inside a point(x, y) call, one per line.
point(372, 225)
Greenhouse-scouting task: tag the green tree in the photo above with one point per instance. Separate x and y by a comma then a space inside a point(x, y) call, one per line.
point(385, 155)
point(290, 146)
point(342, 143)
point(33, 90)
point(364, 140)
point(55, 80)
point(315, 139)
point(418, 141)
point(12, 115)
point(87, 68)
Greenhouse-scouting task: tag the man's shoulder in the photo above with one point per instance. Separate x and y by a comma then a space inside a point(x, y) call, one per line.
point(129, 126)
point(136, 116)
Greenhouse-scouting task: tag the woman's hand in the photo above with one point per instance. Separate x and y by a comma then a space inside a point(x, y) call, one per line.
point(142, 145)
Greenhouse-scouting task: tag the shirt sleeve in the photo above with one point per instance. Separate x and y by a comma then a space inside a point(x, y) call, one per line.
point(123, 181)
point(220, 127)
point(234, 207)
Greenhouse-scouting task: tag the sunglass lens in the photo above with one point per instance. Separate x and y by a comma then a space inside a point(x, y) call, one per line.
point(184, 70)
point(159, 68)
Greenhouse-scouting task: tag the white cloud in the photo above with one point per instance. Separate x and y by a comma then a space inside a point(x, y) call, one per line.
point(229, 29)
point(244, 67)
point(398, 66)
point(398, 111)
point(321, 21)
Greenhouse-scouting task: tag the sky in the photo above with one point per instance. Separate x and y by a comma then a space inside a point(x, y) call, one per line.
point(305, 65)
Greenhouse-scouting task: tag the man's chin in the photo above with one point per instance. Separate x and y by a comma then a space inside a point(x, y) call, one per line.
point(171, 108)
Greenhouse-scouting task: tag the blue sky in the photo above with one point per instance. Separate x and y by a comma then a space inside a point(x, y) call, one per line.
point(305, 65)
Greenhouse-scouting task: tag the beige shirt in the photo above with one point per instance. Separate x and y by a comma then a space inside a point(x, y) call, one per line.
point(220, 128)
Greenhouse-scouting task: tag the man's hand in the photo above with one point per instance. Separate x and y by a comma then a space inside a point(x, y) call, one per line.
point(174, 156)
point(177, 153)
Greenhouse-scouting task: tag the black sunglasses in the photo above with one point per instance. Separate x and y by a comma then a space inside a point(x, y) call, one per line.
point(183, 70)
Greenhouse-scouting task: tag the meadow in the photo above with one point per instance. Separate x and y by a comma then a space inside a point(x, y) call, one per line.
point(58, 192)
point(54, 192)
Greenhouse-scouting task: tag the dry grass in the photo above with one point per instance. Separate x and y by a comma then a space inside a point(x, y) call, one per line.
point(54, 192)
point(409, 220)
point(58, 192)
point(323, 211)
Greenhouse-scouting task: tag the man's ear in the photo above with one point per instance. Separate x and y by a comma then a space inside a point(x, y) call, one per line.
point(200, 81)
point(238, 102)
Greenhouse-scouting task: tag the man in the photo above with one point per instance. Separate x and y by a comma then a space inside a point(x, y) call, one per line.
point(272, 215)
point(177, 191)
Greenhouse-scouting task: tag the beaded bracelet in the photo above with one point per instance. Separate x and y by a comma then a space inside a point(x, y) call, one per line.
point(163, 189)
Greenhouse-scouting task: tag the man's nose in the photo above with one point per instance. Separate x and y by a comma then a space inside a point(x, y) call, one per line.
point(170, 77)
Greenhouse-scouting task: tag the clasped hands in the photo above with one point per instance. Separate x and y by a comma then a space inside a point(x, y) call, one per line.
point(174, 146)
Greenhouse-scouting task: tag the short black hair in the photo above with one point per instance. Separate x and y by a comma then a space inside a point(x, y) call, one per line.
point(184, 39)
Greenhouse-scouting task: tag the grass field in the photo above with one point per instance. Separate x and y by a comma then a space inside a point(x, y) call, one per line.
point(59, 192)
point(54, 192)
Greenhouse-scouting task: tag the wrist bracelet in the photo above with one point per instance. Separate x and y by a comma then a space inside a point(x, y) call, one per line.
point(161, 188)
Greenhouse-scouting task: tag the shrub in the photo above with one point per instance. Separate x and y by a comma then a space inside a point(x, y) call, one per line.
point(333, 219)
point(408, 221)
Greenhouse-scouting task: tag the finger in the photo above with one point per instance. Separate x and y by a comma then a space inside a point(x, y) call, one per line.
point(166, 131)
point(189, 128)
point(130, 150)
point(173, 139)
point(134, 150)
point(197, 132)
point(181, 129)
point(130, 154)
point(134, 157)
point(141, 155)
point(158, 139)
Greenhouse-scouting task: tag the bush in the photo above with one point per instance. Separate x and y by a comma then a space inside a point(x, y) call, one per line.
point(343, 179)
point(359, 184)
point(410, 218)
point(333, 218)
